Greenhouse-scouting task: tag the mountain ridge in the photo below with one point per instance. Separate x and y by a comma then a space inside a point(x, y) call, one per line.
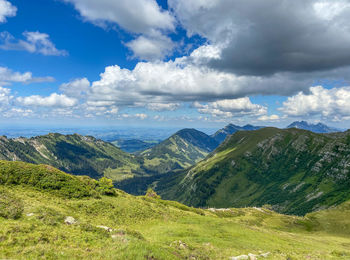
point(296, 171)
point(230, 129)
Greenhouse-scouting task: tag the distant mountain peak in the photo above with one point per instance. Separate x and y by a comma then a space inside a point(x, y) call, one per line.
point(317, 128)
point(230, 129)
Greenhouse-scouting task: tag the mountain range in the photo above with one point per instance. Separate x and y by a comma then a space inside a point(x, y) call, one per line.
point(252, 167)
point(316, 128)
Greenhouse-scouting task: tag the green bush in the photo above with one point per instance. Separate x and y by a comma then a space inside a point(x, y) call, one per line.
point(47, 178)
point(105, 187)
point(152, 194)
point(10, 206)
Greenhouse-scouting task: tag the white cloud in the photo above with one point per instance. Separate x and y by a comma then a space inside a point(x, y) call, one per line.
point(5, 98)
point(141, 116)
point(269, 118)
point(17, 112)
point(162, 106)
point(35, 42)
point(231, 108)
point(332, 104)
point(154, 47)
point(145, 18)
point(6, 10)
point(7, 76)
point(183, 80)
point(76, 87)
point(137, 16)
point(328, 10)
point(54, 100)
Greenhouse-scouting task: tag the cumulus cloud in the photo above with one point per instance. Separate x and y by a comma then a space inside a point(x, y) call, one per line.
point(7, 76)
point(54, 100)
point(137, 16)
point(6, 10)
point(145, 18)
point(35, 42)
point(231, 108)
point(76, 88)
point(182, 80)
point(332, 104)
point(269, 118)
point(162, 106)
point(154, 47)
point(266, 37)
point(5, 98)
point(17, 112)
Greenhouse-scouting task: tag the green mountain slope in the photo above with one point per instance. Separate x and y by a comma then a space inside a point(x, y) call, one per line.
point(76, 154)
point(134, 145)
point(181, 150)
point(293, 170)
point(40, 218)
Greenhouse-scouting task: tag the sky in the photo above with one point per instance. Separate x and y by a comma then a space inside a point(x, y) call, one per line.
point(192, 63)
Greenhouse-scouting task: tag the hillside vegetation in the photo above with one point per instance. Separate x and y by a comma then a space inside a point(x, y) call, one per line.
point(295, 171)
point(181, 150)
point(76, 154)
point(86, 155)
point(48, 222)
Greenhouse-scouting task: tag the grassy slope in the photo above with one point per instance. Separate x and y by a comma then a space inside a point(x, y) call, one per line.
point(148, 228)
point(181, 150)
point(134, 145)
point(76, 154)
point(296, 171)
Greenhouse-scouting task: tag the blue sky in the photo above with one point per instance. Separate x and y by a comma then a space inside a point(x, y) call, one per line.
point(181, 63)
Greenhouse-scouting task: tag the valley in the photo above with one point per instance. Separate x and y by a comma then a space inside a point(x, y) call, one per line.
point(293, 171)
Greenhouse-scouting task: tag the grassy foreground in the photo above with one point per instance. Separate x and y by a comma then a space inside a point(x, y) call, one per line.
point(32, 225)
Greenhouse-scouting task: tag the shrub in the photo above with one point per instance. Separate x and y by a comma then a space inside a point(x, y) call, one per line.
point(10, 206)
point(152, 194)
point(105, 187)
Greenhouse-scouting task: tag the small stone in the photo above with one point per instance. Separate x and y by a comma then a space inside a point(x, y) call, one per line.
point(265, 254)
point(30, 214)
point(252, 256)
point(105, 228)
point(70, 220)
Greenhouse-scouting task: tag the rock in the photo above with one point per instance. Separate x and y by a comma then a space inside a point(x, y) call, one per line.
point(70, 220)
point(182, 245)
point(105, 228)
point(252, 256)
point(265, 254)
point(179, 244)
point(30, 214)
point(240, 257)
